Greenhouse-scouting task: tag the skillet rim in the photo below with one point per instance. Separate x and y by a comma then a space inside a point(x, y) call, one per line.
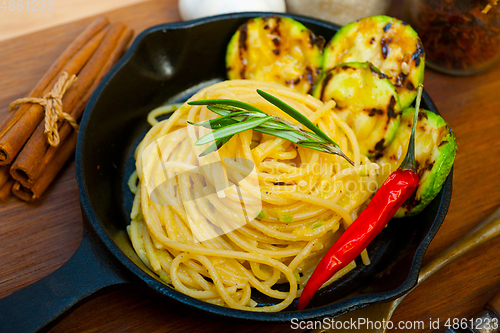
point(343, 306)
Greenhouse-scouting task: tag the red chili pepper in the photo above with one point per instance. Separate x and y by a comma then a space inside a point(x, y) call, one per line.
point(397, 188)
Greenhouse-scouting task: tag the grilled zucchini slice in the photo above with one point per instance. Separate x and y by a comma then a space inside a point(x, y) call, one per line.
point(435, 150)
point(388, 43)
point(366, 100)
point(276, 49)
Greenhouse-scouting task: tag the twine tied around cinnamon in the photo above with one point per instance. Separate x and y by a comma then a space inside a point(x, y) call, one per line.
point(53, 107)
point(490, 5)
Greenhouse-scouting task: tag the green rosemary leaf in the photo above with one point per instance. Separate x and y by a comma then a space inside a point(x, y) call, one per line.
point(216, 145)
point(232, 118)
point(313, 137)
point(313, 145)
point(273, 124)
point(216, 123)
point(221, 121)
point(294, 114)
point(228, 102)
point(287, 135)
point(232, 129)
point(325, 147)
point(220, 111)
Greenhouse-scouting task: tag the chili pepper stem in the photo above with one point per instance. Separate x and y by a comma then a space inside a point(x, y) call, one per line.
point(409, 160)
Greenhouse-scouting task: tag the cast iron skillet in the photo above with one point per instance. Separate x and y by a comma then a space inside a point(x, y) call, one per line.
point(165, 64)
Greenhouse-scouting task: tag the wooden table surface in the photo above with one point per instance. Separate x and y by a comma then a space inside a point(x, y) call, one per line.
point(35, 239)
point(26, 16)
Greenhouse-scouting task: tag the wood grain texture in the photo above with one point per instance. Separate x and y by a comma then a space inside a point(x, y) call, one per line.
point(35, 239)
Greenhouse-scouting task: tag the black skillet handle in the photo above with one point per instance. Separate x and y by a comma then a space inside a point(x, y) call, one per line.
point(38, 307)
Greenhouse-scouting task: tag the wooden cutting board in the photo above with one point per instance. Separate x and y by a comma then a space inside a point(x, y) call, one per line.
point(35, 239)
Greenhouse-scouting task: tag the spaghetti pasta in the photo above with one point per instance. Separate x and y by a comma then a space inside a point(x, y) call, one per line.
point(257, 213)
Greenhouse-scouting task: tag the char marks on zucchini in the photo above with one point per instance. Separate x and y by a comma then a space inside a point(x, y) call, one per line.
point(393, 47)
point(366, 100)
point(277, 49)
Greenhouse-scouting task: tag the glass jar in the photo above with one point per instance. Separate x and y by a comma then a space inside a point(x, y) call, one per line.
point(460, 37)
point(338, 11)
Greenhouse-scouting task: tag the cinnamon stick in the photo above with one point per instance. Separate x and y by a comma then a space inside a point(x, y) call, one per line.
point(63, 154)
point(97, 25)
point(18, 128)
point(4, 175)
point(6, 183)
point(37, 153)
point(6, 188)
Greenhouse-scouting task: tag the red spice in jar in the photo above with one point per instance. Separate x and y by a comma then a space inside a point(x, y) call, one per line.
point(458, 37)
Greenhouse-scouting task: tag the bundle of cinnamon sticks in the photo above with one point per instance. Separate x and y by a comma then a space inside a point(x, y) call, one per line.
point(28, 163)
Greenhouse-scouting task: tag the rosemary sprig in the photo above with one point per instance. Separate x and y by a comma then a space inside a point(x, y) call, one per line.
point(237, 116)
point(230, 130)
